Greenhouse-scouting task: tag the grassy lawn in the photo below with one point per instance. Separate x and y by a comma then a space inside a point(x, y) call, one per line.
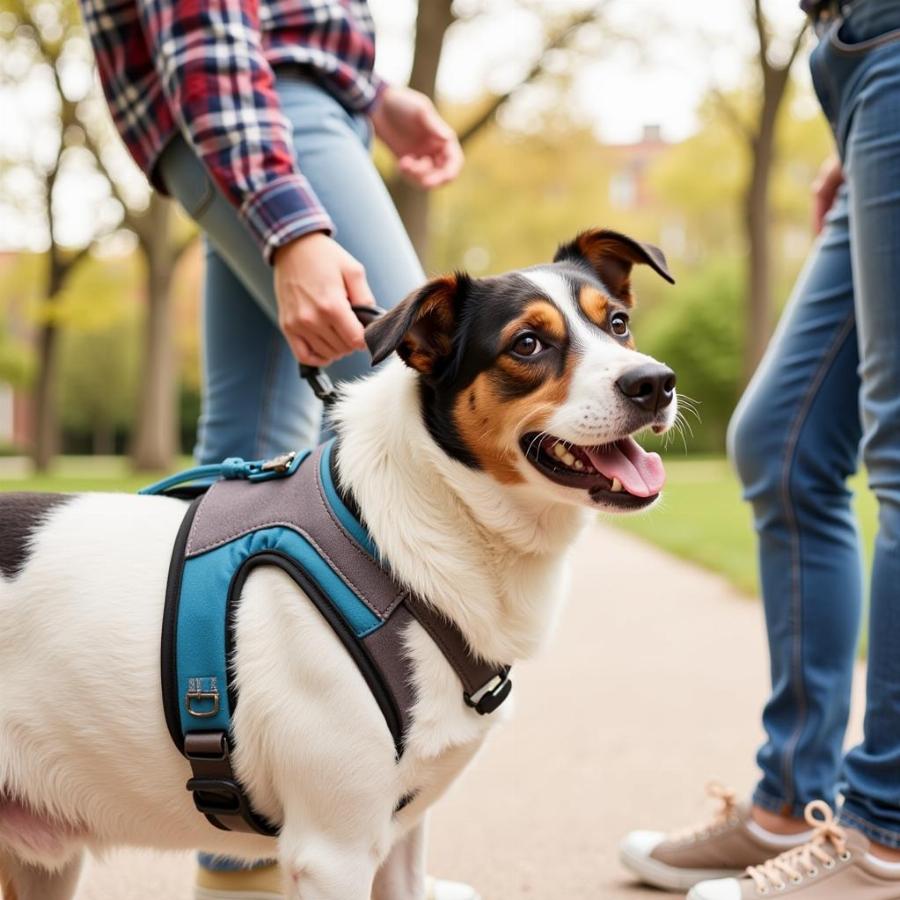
point(702, 518)
point(78, 473)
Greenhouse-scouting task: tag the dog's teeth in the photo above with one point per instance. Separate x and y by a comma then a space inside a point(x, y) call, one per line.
point(568, 459)
point(579, 464)
point(616, 486)
point(559, 451)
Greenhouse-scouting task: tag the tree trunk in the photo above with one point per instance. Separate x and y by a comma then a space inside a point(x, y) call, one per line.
point(432, 22)
point(759, 309)
point(155, 441)
point(46, 418)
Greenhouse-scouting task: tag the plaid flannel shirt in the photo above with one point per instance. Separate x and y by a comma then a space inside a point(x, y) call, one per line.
point(204, 67)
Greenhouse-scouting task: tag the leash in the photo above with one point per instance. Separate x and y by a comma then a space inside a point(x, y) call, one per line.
point(322, 386)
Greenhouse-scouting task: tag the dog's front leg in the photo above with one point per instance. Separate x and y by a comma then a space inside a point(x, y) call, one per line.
point(317, 867)
point(402, 874)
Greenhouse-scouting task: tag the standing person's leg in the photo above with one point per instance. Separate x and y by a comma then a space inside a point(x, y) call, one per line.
point(794, 440)
point(872, 167)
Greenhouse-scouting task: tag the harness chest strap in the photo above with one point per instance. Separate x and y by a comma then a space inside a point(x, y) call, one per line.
point(302, 525)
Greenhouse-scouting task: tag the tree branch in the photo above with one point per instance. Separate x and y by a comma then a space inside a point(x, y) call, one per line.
point(762, 31)
point(557, 42)
point(737, 122)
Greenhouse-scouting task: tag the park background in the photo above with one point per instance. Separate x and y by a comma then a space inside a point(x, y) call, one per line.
point(692, 126)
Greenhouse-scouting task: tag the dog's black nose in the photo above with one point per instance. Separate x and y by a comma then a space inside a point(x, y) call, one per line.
point(651, 386)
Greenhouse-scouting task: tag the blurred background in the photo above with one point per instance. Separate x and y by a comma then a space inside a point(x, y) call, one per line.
point(690, 125)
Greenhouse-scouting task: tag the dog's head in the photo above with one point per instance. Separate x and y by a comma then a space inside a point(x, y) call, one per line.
point(533, 376)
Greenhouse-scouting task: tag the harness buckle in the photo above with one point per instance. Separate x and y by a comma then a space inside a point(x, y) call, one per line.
point(279, 464)
point(196, 695)
point(491, 696)
point(215, 789)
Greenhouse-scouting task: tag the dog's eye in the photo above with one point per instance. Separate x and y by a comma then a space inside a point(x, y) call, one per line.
point(618, 322)
point(527, 345)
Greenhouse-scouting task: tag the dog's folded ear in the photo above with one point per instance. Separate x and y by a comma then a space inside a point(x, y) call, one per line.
point(611, 255)
point(420, 328)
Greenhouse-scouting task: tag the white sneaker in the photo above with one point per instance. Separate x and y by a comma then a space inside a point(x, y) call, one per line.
point(435, 889)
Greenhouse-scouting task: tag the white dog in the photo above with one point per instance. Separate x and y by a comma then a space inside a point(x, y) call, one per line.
point(475, 459)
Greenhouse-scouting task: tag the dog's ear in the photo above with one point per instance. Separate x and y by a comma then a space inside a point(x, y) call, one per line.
point(611, 255)
point(420, 328)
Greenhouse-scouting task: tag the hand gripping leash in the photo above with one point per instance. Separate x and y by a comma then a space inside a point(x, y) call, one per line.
point(319, 381)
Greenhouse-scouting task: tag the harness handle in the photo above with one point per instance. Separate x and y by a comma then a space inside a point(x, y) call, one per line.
point(321, 384)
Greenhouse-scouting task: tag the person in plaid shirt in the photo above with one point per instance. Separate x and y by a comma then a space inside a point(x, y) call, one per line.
point(257, 115)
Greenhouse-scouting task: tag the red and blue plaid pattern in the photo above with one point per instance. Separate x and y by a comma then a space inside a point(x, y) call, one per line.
point(205, 68)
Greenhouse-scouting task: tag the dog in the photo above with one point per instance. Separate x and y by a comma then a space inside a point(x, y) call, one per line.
point(501, 421)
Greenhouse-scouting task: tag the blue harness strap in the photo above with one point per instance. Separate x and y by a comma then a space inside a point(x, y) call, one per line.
point(287, 513)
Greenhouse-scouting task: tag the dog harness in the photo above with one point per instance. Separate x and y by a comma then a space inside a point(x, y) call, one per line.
point(288, 513)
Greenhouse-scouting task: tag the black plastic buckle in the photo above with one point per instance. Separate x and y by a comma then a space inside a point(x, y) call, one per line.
point(215, 790)
point(322, 386)
point(319, 381)
point(491, 697)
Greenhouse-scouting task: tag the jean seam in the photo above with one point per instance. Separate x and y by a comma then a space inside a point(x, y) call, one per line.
point(787, 767)
point(265, 415)
point(876, 832)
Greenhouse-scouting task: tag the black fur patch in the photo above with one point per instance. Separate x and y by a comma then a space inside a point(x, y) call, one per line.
point(484, 306)
point(21, 515)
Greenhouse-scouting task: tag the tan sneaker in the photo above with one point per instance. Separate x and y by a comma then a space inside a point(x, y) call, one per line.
point(834, 865)
point(720, 848)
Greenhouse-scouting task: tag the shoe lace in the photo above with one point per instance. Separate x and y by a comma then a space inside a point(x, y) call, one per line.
point(723, 815)
point(793, 864)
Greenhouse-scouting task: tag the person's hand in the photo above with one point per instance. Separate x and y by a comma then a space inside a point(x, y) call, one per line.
point(427, 150)
point(825, 188)
point(316, 280)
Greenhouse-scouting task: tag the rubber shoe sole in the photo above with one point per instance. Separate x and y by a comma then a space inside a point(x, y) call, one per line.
point(669, 878)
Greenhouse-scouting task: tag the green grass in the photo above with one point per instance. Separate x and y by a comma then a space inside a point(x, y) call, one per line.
point(78, 473)
point(702, 518)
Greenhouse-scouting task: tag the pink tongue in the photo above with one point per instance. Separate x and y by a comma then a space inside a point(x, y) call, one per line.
point(641, 473)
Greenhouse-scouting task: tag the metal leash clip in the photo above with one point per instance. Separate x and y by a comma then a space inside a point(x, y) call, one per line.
point(322, 386)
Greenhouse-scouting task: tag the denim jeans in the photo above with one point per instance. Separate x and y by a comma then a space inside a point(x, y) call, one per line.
point(254, 403)
point(829, 387)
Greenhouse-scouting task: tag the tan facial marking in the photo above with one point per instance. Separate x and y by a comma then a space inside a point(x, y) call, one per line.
point(596, 306)
point(490, 422)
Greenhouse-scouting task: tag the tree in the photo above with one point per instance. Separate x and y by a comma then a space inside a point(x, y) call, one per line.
point(51, 35)
point(759, 135)
point(156, 434)
point(433, 21)
point(44, 34)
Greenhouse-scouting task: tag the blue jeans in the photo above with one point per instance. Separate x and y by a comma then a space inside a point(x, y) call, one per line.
point(828, 387)
point(254, 403)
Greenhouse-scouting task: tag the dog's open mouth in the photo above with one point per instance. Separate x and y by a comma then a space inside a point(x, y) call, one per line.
point(619, 474)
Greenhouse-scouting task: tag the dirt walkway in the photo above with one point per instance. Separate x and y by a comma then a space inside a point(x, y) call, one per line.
point(651, 686)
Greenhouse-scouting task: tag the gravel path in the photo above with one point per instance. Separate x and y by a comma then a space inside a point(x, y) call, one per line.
point(651, 686)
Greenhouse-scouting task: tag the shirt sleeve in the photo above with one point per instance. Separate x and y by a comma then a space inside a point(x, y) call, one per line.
point(222, 90)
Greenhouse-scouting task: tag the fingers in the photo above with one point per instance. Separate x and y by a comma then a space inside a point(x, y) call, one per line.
point(305, 354)
point(437, 168)
point(315, 282)
point(439, 159)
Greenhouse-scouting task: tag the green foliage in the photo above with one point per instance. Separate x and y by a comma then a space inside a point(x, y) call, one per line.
point(698, 334)
point(99, 382)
